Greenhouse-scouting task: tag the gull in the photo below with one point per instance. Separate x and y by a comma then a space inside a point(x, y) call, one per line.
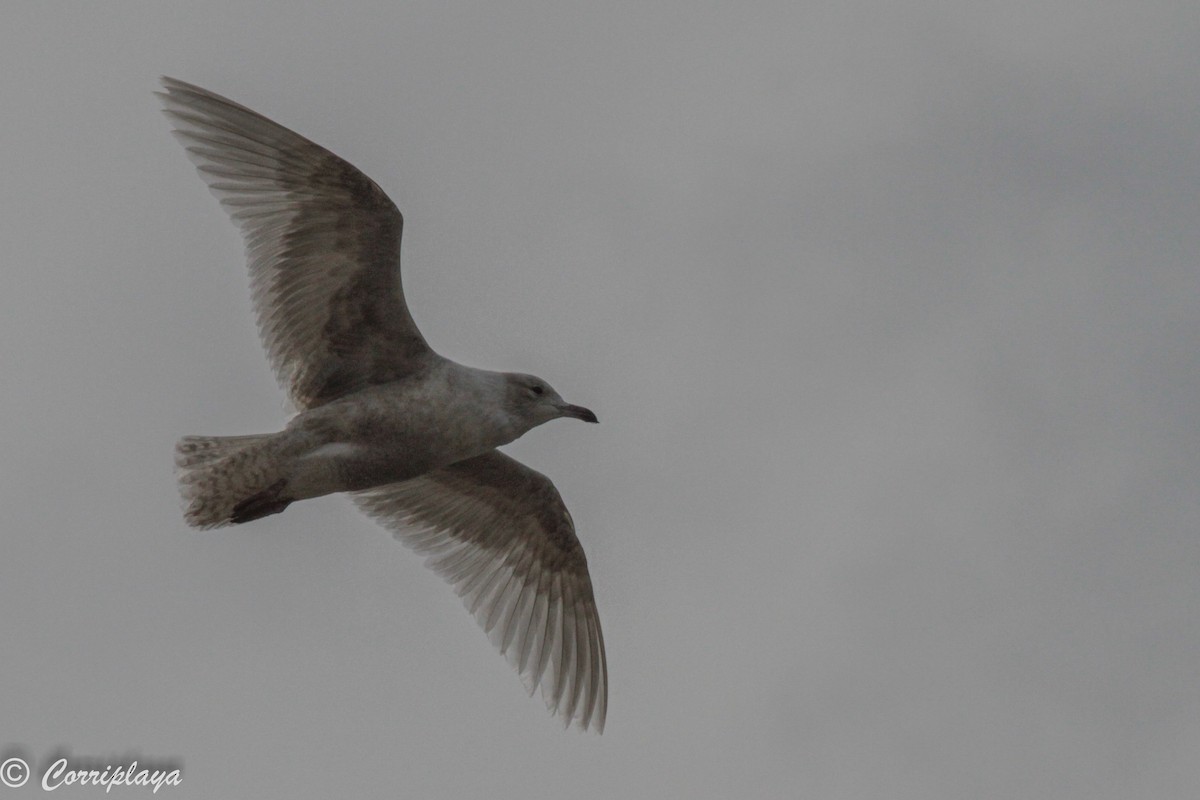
point(409, 434)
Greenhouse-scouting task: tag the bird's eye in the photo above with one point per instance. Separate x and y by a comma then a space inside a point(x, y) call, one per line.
point(537, 390)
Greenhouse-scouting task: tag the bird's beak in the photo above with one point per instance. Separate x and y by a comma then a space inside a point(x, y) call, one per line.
point(578, 412)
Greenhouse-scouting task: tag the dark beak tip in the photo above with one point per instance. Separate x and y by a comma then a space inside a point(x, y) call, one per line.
point(579, 412)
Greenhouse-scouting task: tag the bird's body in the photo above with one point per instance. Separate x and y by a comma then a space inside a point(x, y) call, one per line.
point(409, 433)
point(373, 436)
point(402, 429)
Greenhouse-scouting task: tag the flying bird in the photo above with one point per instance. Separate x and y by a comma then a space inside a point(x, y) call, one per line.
point(409, 434)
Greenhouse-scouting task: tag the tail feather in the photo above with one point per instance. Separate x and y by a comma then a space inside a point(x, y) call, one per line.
point(217, 474)
point(196, 451)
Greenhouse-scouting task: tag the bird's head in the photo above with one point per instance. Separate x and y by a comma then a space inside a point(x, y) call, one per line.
point(531, 401)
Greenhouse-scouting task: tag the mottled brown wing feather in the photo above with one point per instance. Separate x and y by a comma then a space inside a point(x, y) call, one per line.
point(323, 245)
point(499, 533)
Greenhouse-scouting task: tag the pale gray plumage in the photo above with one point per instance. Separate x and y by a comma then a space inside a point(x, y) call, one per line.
point(322, 241)
point(381, 415)
point(464, 517)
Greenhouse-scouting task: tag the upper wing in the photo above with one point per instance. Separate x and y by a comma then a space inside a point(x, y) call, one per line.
point(499, 532)
point(323, 242)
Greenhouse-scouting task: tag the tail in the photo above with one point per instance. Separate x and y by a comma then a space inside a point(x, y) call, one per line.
point(226, 480)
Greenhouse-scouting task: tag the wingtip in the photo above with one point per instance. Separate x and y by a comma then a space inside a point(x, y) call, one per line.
point(171, 90)
point(177, 89)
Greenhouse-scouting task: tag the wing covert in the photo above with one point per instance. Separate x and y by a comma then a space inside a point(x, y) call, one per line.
point(499, 533)
point(322, 242)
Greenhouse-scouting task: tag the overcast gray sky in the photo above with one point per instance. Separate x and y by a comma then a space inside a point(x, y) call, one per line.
point(889, 311)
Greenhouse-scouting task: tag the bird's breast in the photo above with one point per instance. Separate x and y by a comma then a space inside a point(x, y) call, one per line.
point(403, 431)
